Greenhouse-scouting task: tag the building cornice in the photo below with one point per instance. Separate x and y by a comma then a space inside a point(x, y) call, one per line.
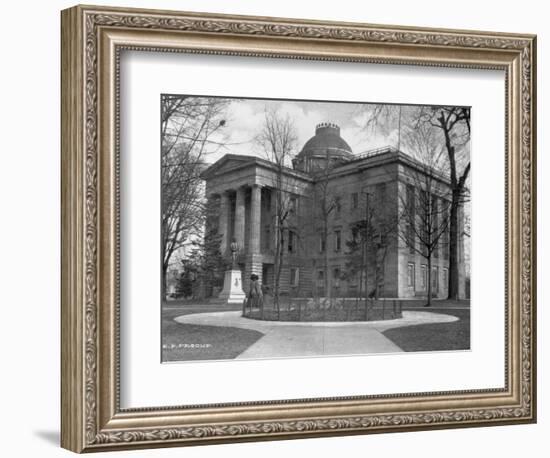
point(370, 159)
point(247, 162)
point(385, 156)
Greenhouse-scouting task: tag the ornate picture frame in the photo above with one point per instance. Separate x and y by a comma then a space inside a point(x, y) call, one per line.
point(92, 41)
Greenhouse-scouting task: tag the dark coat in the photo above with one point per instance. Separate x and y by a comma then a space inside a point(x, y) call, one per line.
point(255, 295)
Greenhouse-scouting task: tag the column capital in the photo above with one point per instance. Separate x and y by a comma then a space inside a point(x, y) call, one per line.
point(217, 193)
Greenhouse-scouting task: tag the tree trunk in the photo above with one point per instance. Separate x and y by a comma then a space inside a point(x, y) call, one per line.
point(453, 290)
point(279, 270)
point(164, 286)
point(429, 303)
point(366, 267)
point(360, 292)
point(328, 289)
point(278, 243)
point(277, 267)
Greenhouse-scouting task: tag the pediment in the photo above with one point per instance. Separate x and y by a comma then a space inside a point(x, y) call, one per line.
point(226, 164)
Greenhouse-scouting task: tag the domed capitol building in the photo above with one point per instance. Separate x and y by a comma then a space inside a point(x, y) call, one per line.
point(327, 192)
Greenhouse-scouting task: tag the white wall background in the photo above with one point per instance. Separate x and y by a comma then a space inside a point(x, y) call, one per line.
point(29, 229)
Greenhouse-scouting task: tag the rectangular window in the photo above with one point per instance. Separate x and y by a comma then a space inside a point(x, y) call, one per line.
point(337, 240)
point(380, 194)
point(435, 279)
point(267, 238)
point(320, 278)
point(337, 205)
point(410, 274)
point(291, 242)
point(293, 204)
point(410, 202)
point(336, 277)
point(355, 233)
point(410, 218)
point(447, 247)
point(411, 239)
point(322, 244)
point(354, 200)
point(424, 276)
point(445, 278)
point(294, 276)
point(435, 224)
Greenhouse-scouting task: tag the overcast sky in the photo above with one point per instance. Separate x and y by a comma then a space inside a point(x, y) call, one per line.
point(245, 118)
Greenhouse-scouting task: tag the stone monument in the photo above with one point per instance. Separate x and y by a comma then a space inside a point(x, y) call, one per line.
point(232, 292)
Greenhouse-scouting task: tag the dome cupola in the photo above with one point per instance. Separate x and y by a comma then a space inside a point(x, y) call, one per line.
point(325, 148)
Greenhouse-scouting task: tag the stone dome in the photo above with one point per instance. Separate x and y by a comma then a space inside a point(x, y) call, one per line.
point(326, 143)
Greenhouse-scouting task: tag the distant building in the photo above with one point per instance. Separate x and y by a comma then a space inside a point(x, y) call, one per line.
point(243, 189)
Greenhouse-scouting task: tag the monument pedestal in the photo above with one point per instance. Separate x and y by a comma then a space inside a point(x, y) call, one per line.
point(232, 292)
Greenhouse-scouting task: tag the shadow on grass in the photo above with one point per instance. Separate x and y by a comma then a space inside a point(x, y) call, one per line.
point(189, 342)
point(436, 336)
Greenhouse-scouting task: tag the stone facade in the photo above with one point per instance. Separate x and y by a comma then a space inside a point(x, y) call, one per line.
point(373, 183)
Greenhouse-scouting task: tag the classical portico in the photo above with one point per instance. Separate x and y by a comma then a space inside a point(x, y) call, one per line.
point(240, 218)
point(243, 188)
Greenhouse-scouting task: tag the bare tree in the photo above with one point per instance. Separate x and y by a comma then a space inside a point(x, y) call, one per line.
point(277, 139)
point(424, 201)
point(451, 127)
point(387, 119)
point(454, 123)
point(371, 237)
point(325, 203)
point(189, 131)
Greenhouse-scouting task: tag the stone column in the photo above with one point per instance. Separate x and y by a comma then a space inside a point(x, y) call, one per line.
point(239, 218)
point(223, 228)
point(255, 220)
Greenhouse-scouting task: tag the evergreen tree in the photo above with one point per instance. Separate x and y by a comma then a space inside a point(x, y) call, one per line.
point(205, 266)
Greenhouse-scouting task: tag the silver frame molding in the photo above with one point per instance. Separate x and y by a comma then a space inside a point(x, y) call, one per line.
point(92, 39)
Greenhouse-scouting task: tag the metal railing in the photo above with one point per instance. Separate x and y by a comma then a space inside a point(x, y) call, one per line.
point(375, 152)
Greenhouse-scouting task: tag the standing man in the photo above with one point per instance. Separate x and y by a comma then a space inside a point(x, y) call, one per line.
point(255, 295)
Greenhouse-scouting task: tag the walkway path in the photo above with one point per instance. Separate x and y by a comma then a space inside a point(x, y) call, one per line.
point(286, 339)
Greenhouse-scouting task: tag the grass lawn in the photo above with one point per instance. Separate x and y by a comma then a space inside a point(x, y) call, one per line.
point(437, 336)
point(186, 342)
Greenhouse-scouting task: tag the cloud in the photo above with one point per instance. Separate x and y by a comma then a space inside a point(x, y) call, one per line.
point(245, 118)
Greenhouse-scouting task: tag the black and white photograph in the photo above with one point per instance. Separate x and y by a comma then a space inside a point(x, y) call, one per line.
point(304, 228)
